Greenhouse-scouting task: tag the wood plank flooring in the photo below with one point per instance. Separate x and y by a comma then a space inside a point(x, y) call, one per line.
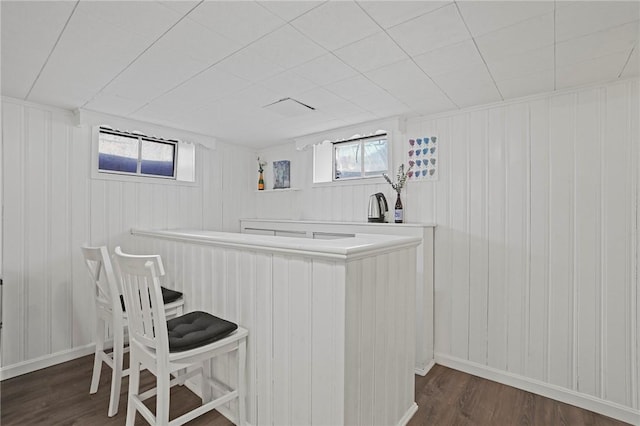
point(59, 395)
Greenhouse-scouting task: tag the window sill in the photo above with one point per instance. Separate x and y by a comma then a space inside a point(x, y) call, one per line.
point(373, 180)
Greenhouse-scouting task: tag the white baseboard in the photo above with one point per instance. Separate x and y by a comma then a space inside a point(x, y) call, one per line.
point(568, 396)
point(45, 361)
point(407, 416)
point(423, 371)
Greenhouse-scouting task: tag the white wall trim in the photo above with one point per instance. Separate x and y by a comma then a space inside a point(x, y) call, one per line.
point(408, 415)
point(557, 393)
point(423, 371)
point(45, 361)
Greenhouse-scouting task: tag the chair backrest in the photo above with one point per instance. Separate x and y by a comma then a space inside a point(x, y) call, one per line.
point(107, 295)
point(140, 277)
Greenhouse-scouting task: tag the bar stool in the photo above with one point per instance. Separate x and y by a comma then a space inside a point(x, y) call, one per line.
point(167, 347)
point(110, 311)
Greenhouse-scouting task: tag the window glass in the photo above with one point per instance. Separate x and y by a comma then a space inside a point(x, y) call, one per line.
point(157, 158)
point(375, 157)
point(357, 158)
point(118, 153)
point(348, 160)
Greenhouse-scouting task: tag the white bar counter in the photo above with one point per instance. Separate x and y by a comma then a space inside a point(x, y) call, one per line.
point(331, 322)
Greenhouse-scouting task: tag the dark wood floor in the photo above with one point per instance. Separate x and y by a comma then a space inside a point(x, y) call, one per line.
point(59, 395)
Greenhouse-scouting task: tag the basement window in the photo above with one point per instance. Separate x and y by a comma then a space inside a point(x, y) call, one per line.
point(138, 155)
point(356, 158)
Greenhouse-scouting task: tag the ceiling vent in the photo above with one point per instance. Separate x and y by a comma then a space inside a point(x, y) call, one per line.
point(289, 107)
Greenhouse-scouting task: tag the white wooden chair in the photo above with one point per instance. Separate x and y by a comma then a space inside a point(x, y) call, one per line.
point(110, 313)
point(167, 347)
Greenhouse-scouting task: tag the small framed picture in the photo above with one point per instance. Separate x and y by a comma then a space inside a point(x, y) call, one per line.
point(281, 174)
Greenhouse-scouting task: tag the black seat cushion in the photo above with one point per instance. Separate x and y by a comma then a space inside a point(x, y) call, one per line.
point(196, 329)
point(168, 296)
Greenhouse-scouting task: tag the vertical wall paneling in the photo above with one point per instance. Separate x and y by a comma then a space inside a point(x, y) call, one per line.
point(52, 206)
point(537, 362)
point(541, 196)
point(459, 237)
point(516, 139)
point(478, 253)
point(442, 254)
point(59, 246)
point(14, 236)
point(617, 231)
point(587, 242)
point(562, 122)
point(497, 311)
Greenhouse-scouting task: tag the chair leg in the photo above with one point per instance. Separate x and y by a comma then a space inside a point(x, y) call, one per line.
point(134, 387)
point(205, 388)
point(97, 358)
point(116, 374)
point(242, 357)
point(162, 398)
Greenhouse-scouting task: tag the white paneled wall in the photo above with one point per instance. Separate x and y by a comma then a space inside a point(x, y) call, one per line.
point(319, 352)
point(52, 206)
point(536, 248)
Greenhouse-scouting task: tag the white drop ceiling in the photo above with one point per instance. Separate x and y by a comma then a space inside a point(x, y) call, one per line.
point(210, 66)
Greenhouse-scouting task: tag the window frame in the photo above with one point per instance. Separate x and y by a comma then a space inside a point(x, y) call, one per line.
point(193, 163)
point(361, 140)
point(140, 137)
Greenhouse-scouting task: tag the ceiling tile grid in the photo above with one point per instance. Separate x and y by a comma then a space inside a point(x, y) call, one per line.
point(212, 66)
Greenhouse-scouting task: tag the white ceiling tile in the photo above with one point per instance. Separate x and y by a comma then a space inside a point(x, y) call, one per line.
point(241, 21)
point(210, 85)
point(581, 18)
point(593, 45)
point(537, 82)
point(522, 64)
point(403, 79)
point(325, 69)
point(431, 31)
point(632, 67)
point(289, 10)
point(29, 32)
point(355, 87)
point(288, 48)
point(486, 16)
point(476, 75)
point(197, 41)
point(89, 54)
point(372, 52)
point(474, 95)
point(147, 19)
point(153, 74)
point(450, 58)
point(390, 13)
point(379, 102)
point(319, 98)
point(528, 35)
point(430, 105)
point(336, 24)
point(114, 104)
point(604, 68)
point(250, 65)
point(182, 6)
point(287, 84)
